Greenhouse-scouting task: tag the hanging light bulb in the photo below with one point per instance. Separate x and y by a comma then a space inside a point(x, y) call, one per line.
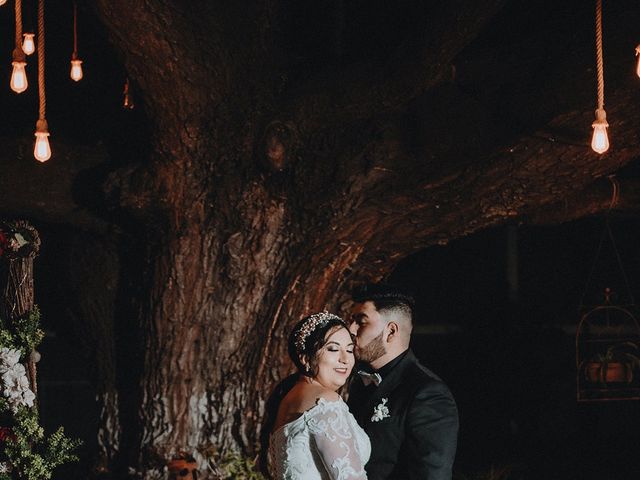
point(42, 150)
point(638, 63)
point(19, 81)
point(76, 63)
point(600, 139)
point(28, 45)
point(76, 69)
point(2, 2)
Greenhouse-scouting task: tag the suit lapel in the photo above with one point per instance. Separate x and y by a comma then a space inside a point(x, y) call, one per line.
point(389, 383)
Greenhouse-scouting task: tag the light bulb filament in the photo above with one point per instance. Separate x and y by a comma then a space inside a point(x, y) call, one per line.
point(76, 70)
point(42, 150)
point(600, 139)
point(19, 81)
point(28, 45)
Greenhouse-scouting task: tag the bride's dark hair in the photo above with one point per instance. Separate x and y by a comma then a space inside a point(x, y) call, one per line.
point(305, 340)
point(270, 415)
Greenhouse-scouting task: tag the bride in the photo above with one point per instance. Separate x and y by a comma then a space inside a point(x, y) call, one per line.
point(310, 432)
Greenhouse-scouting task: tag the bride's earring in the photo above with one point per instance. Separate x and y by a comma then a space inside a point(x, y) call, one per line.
point(308, 371)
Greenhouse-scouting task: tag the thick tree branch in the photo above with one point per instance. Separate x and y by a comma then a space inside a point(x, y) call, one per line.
point(620, 195)
point(402, 209)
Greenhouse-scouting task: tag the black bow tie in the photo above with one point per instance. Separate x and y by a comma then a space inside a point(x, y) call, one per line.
point(369, 378)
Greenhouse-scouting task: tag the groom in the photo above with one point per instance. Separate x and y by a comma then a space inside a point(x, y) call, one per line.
point(407, 411)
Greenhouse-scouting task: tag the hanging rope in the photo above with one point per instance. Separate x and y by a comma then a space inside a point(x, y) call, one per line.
point(18, 24)
point(18, 53)
point(74, 55)
point(41, 92)
point(599, 60)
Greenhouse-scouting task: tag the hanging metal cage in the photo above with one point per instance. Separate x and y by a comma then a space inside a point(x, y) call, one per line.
point(608, 354)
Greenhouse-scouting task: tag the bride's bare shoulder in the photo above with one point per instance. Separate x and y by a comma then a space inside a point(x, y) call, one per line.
point(308, 397)
point(300, 399)
point(305, 396)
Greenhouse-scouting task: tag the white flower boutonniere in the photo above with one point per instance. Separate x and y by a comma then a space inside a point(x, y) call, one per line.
point(381, 411)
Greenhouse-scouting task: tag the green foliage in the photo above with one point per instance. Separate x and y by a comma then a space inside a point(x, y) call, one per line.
point(28, 332)
point(25, 333)
point(30, 454)
point(6, 339)
point(233, 466)
point(60, 449)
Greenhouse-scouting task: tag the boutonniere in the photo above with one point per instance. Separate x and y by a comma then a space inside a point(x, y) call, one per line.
point(380, 411)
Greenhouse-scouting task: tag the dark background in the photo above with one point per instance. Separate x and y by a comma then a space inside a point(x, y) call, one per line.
point(510, 358)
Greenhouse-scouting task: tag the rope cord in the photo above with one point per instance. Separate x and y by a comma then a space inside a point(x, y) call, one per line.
point(41, 92)
point(18, 24)
point(18, 53)
point(599, 61)
point(75, 30)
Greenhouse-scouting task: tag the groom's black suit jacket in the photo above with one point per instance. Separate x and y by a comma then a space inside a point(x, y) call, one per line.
point(418, 439)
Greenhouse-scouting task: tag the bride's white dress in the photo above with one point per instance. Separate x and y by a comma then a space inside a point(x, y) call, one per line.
point(324, 443)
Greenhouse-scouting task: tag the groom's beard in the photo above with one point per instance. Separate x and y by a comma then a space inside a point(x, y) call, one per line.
point(373, 350)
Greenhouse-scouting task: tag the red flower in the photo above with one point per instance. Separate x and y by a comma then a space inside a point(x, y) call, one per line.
point(6, 434)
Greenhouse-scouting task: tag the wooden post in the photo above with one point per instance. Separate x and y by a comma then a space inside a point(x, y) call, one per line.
point(17, 282)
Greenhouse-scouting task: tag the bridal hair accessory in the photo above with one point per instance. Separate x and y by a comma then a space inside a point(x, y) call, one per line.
point(314, 321)
point(381, 411)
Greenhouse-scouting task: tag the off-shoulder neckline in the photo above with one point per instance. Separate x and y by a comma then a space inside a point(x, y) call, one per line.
point(320, 401)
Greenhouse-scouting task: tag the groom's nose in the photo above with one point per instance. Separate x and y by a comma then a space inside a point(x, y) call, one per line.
point(353, 328)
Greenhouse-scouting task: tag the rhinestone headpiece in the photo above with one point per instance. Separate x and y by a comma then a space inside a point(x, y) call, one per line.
point(311, 323)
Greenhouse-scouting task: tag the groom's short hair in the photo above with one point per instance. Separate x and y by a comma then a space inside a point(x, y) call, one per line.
point(386, 298)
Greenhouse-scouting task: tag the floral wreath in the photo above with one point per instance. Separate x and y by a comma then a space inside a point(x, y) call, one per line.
point(18, 240)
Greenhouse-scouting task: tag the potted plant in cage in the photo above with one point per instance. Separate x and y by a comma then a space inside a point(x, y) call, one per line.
point(618, 364)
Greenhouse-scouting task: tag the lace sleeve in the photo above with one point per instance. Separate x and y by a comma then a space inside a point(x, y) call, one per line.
point(334, 438)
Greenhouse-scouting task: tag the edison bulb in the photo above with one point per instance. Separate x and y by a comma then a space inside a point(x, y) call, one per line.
point(28, 45)
point(42, 150)
point(76, 70)
point(600, 139)
point(19, 77)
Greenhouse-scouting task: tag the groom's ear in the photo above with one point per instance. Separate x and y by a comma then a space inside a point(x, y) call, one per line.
point(393, 330)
